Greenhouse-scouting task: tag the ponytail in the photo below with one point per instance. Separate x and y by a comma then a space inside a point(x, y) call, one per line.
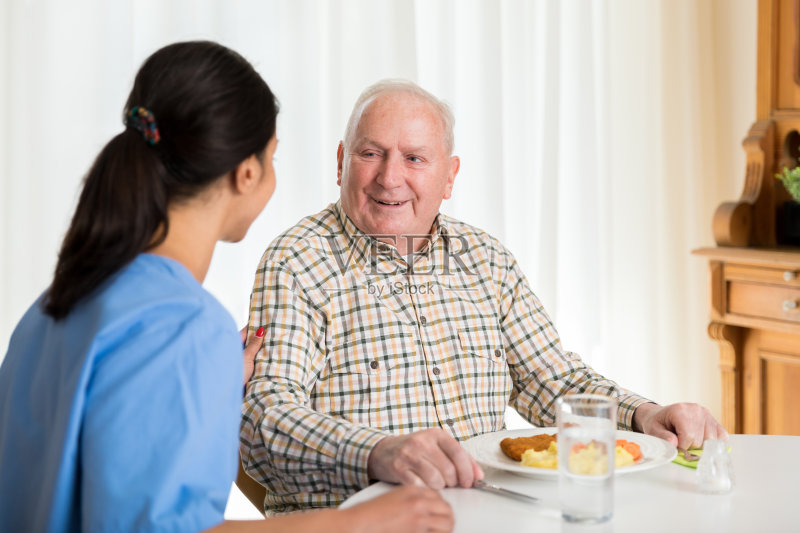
point(122, 204)
point(196, 110)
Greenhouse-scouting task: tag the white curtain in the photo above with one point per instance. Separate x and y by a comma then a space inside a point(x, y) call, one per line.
point(596, 138)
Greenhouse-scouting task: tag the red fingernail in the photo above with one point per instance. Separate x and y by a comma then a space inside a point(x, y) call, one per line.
point(260, 332)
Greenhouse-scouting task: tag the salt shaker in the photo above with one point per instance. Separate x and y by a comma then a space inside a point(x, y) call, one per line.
point(714, 470)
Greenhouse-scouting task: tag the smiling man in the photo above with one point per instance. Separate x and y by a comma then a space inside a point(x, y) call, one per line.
point(395, 166)
point(394, 331)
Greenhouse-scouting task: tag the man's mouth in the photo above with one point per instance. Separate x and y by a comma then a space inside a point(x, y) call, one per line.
point(386, 202)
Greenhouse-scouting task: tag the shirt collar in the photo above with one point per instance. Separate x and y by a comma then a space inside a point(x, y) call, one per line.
point(357, 241)
point(365, 247)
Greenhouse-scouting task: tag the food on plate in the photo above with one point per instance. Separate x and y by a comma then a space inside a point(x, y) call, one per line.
point(543, 458)
point(585, 459)
point(515, 447)
point(623, 457)
point(632, 448)
point(588, 459)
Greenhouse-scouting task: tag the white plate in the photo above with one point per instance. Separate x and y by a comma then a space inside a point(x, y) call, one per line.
point(486, 451)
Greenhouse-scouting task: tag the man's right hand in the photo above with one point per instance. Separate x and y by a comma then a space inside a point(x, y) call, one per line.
point(429, 458)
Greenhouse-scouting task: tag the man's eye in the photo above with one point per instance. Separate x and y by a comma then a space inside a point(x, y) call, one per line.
point(369, 154)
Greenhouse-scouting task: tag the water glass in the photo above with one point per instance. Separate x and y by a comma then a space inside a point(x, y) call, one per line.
point(586, 446)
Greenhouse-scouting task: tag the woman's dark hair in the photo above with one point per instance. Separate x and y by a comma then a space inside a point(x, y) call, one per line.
point(212, 111)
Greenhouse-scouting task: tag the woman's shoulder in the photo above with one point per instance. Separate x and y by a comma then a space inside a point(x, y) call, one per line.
point(148, 311)
point(154, 308)
point(156, 292)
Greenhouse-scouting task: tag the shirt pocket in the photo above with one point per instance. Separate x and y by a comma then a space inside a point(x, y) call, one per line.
point(487, 386)
point(483, 341)
point(367, 377)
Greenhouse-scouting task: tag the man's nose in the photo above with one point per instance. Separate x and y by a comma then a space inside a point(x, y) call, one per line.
point(392, 172)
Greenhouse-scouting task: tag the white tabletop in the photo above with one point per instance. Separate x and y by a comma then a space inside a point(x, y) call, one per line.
point(765, 498)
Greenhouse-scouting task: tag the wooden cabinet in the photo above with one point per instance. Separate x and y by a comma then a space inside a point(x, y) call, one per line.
point(755, 318)
point(754, 271)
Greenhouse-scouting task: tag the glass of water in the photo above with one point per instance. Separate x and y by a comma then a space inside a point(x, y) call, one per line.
point(587, 426)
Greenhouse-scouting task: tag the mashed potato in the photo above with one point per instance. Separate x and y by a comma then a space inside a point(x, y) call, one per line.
point(588, 460)
point(623, 458)
point(544, 459)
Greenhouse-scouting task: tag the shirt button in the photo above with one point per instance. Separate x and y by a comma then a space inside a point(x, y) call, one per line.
point(450, 422)
point(423, 320)
point(498, 353)
point(436, 370)
point(373, 365)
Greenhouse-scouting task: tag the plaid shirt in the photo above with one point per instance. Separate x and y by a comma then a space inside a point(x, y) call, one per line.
point(361, 343)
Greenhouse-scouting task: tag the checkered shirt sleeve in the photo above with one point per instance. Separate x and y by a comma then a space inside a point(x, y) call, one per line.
point(541, 370)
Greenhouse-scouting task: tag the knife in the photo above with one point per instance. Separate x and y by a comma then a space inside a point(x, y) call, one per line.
point(480, 484)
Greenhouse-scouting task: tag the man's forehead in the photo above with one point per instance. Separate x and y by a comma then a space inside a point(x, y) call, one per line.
point(395, 99)
point(411, 107)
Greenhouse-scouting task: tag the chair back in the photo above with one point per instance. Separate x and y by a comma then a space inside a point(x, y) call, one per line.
point(252, 489)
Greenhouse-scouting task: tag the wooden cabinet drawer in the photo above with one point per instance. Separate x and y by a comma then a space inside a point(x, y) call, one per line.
point(773, 302)
point(781, 276)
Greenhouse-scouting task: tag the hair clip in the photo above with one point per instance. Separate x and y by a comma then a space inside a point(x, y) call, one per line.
point(142, 120)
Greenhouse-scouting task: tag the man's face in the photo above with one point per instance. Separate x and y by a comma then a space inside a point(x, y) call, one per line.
point(397, 171)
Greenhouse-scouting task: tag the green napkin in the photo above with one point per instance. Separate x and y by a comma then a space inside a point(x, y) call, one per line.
point(681, 460)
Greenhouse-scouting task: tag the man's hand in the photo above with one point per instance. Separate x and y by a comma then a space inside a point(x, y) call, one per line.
point(251, 348)
point(427, 458)
point(685, 425)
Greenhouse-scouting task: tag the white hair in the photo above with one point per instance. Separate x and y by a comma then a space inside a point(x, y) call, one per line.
point(400, 86)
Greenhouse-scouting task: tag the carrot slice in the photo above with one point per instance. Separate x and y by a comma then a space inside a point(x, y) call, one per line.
point(578, 447)
point(631, 447)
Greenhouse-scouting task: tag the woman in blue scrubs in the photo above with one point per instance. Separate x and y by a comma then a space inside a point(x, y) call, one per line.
point(120, 393)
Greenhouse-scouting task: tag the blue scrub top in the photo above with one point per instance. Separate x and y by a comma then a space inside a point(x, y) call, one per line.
point(124, 415)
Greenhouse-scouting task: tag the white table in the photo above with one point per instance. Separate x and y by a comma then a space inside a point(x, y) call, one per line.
point(765, 498)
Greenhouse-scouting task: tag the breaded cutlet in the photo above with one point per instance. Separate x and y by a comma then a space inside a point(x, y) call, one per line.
point(515, 447)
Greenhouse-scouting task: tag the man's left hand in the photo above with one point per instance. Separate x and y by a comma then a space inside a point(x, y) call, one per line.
point(685, 425)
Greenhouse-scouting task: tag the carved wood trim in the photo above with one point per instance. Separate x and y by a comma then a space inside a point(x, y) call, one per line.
point(729, 339)
point(718, 304)
point(733, 221)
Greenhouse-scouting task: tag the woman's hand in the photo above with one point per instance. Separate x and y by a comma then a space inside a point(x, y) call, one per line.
point(251, 348)
point(406, 509)
point(402, 510)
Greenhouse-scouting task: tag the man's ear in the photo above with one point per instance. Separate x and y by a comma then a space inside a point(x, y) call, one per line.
point(455, 164)
point(247, 174)
point(339, 162)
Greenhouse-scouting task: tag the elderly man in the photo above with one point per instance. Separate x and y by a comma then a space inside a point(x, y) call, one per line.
point(394, 331)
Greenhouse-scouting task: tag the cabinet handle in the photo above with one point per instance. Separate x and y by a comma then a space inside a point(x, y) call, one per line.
point(789, 305)
point(789, 275)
